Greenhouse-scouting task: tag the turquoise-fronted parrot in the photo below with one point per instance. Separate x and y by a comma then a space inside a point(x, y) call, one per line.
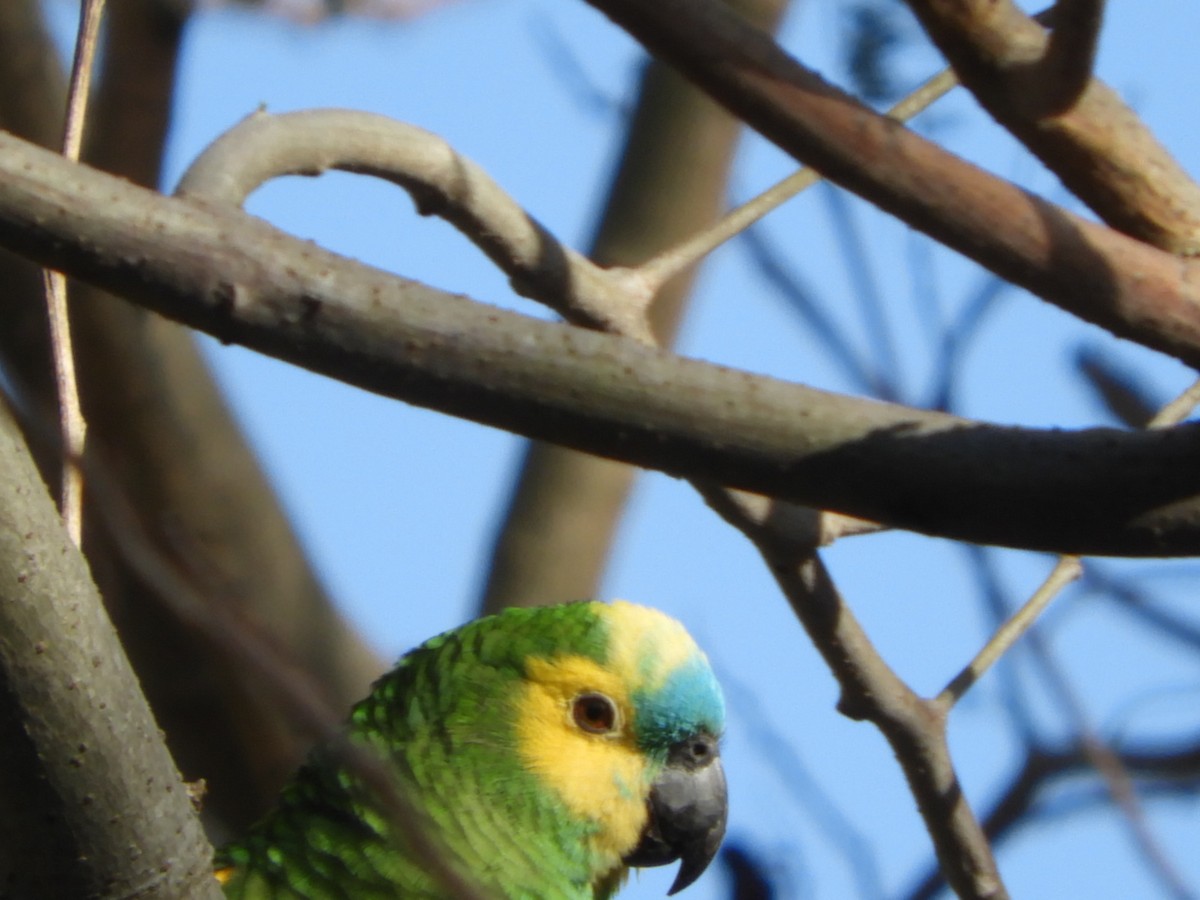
point(545, 750)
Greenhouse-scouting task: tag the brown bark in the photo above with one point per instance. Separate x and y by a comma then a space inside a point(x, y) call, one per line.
point(91, 804)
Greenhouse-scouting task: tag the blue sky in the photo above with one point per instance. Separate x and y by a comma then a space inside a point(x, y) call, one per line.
point(398, 505)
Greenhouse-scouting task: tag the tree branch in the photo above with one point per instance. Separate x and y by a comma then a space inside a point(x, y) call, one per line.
point(1036, 87)
point(1098, 491)
point(1087, 269)
point(92, 803)
point(441, 182)
point(671, 180)
point(914, 728)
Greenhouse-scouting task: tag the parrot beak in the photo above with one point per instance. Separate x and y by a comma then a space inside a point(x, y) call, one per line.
point(688, 806)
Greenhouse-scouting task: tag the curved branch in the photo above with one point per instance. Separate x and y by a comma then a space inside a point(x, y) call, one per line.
point(441, 182)
point(1099, 491)
point(559, 524)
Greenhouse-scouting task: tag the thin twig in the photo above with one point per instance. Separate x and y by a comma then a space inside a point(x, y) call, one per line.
point(660, 269)
point(72, 423)
point(1066, 570)
point(1178, 409)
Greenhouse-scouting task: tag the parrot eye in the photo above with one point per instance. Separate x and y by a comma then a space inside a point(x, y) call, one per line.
point(595, 713)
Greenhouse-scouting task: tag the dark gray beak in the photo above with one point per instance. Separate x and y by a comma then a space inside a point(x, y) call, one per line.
point(688, 807)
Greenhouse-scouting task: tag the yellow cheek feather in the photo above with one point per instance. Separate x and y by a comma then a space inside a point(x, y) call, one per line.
point(600, 778)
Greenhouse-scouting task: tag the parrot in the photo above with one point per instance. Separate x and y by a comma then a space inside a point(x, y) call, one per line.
point(543, 752)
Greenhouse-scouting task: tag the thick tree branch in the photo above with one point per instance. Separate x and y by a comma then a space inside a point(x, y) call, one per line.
point(93, 805)
point(1097, 492)
point(1037, 87)
point(1087, 269)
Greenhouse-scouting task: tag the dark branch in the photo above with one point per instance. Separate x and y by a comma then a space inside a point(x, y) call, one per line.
point(1087, 269)
point(1071, 50)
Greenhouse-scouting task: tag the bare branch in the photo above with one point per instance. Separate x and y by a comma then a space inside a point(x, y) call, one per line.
point(1087, 269)
point(1066, 570)
point(240, 279)
point(1096, 145)
point(71, 420)
point(737, 221)
point(94, 805)
point(871, 691)
point(442, 183)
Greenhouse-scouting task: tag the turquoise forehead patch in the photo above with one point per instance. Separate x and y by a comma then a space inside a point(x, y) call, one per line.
point(687, 702)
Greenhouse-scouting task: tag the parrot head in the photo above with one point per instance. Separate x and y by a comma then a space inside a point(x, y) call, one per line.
point(622, 727)
point(549, 749)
